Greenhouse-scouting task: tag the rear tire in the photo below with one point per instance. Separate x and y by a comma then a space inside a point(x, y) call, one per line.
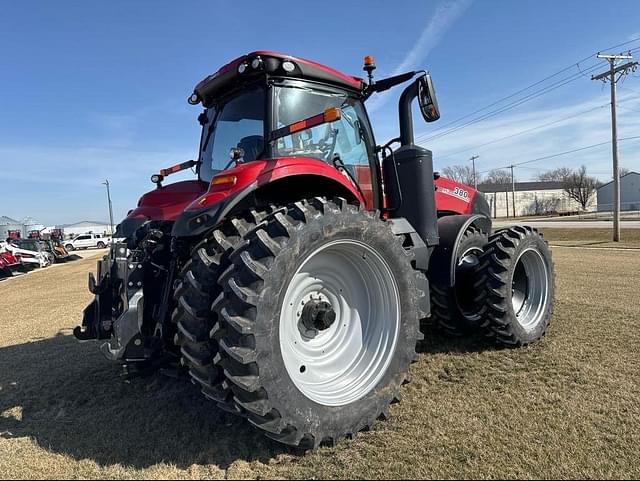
point(459, 310)
point(320, 253)
point(194, 293)
point(520, 283)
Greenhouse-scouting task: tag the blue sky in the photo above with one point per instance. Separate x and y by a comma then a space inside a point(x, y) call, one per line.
point(95, 90)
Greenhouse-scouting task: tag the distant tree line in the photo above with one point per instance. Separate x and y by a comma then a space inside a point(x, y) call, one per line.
point(576, 183)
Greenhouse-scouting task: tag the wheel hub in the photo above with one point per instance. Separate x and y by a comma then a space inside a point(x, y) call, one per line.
point(317, 315)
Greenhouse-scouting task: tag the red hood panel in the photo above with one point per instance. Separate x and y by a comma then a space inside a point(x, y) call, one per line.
point(167, 203)
point(452, 196)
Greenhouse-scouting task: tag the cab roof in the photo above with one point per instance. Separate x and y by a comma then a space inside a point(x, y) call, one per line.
point(272, 63)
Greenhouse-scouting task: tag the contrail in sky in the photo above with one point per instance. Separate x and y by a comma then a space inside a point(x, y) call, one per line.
point(438, 24)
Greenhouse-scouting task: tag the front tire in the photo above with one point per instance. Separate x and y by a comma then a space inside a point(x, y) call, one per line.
point(312, 374)
point(69, 247)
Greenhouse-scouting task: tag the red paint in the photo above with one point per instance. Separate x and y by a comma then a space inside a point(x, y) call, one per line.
point(355, 82)
point(7, 259)
point(265, 171)
point(455, 197)
point(167, 203)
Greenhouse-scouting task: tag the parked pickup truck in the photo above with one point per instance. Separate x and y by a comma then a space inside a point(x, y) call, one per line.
point(85, 241)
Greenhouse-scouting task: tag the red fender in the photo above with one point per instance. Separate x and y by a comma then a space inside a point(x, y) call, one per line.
point(259, 173)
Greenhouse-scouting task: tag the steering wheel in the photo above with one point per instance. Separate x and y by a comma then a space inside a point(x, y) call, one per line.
point(328, 146)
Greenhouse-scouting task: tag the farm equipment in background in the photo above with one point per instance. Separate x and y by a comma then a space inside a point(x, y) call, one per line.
point(13, 235)
point(31, 254)
point(56, 248)
point(9, 263)
point(291, 277)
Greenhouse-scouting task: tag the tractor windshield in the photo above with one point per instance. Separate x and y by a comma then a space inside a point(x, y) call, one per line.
point(345, 137)
point(238, 123)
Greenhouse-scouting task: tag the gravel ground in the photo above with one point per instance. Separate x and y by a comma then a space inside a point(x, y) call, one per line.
point(569, 406)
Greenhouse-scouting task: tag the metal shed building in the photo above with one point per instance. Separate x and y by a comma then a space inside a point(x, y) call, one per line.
point(629, 194)
point(7, 224)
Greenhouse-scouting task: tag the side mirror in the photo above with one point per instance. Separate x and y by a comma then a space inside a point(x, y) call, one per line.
point(427, 99)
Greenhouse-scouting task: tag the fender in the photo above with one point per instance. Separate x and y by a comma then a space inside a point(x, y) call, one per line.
point(231, 187)
point(451, 229)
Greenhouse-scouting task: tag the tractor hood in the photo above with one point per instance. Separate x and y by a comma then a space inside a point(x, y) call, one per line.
point(162, 204)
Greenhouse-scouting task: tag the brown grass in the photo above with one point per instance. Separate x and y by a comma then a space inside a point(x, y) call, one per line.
point(569, 406)
point(629, 238)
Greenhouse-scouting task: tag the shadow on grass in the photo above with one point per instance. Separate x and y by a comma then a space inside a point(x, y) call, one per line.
point(436, 342)
point(71, 401)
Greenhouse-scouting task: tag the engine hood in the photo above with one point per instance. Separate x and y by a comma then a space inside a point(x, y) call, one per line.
point(166, 203)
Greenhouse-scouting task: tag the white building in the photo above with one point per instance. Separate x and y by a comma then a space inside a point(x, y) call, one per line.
point(85, 227)
point(29, 224)
point(531, 198)
point(629, 193)
point(7, 224)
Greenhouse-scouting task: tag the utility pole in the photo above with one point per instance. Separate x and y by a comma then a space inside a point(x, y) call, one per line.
point(106, 182)
point(513, 192)
point(610, 76)
point(475, 178)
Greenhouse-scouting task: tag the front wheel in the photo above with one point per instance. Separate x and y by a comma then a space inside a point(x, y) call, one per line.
point(100, 245)
point(69, 247)
point(319, 321)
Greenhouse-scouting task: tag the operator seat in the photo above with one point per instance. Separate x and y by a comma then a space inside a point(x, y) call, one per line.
point(252, 146)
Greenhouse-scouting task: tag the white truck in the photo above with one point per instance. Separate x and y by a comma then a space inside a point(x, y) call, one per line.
point(86, 241)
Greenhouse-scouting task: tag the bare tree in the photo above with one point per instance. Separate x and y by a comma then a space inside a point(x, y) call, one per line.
point(624, 171)
point(544, 205)
point(580, 187)
point(498, 177)
point(556, 175)
point(459, 173)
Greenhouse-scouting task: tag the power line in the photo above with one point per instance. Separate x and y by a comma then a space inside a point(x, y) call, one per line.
point(532, 129)
point(552, 156)
point(627, 108)
point(510, 106)
point(441, 131)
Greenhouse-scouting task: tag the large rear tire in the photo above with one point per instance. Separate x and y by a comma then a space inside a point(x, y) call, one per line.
point(319, 321)
point(196, 289)
point(459, 310)
point(520, 284)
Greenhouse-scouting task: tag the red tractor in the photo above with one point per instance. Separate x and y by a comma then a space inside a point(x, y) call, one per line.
point(291, 277)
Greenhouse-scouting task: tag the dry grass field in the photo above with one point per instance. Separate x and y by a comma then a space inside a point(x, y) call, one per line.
point(569, 406)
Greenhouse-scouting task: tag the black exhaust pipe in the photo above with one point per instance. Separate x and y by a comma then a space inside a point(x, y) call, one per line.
point(404, 111)
point(408, 175)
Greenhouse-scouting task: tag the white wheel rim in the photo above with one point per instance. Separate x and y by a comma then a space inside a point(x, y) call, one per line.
point(530, 288)
point(344, 362)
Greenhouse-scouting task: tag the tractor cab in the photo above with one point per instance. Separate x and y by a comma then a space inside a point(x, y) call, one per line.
point(266, 105)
